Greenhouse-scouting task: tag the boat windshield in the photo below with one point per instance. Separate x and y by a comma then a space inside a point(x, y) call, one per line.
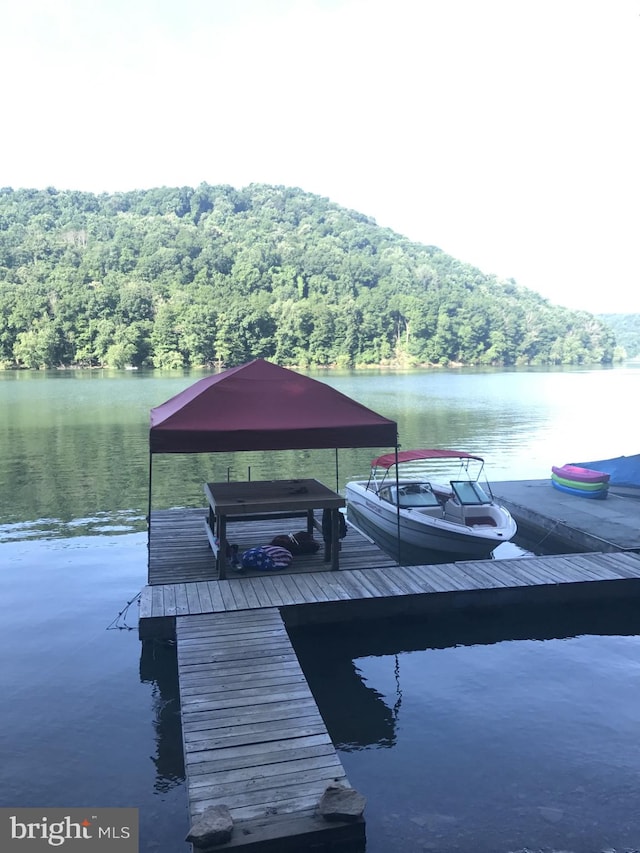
point(416, 494)
point(469, 493)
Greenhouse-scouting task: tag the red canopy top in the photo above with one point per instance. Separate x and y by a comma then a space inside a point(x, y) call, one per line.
point(389, 459)
point(261, 406)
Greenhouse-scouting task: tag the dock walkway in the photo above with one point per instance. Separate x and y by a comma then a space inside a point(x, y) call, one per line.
point(253, 736)
point(393, 590)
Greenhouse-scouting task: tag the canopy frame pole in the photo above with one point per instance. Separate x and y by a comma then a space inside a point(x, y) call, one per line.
point(149, 516)
point(337, 477)
point(398, 505)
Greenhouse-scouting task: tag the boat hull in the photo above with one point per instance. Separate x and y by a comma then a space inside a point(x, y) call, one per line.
point(421, 539)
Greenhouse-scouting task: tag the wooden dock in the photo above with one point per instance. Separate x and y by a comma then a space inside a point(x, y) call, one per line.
point(394, 590)
point(253, 735)
point(179, 549)
point(254, 739)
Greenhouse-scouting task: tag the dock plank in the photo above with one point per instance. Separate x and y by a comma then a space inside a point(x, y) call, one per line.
point(315, 583)
point(367, 582)
point(145, 608)
point(170, 600)
point(193, 598)
point(478, 575)
point(265, 590)
point(182, 600)
point(440, 578)
point(216, 596)
point(617, 565)
point(419, 576)
point(204, 594)
point(157, 601)
point(305, 594)
point(288, 583)
point(247, 716)
point(264, 731)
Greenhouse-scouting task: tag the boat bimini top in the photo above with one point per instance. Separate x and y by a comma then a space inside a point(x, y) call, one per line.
point(468, 492)
point(388, 460)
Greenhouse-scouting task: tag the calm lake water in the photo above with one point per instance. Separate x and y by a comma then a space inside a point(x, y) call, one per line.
point(489, 733)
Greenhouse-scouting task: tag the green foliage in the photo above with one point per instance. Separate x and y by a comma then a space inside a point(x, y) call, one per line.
point(173, 277)
point(626, 328)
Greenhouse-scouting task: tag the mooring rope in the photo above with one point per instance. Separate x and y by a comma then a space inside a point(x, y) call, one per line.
point(116, 624)
point(550, 531)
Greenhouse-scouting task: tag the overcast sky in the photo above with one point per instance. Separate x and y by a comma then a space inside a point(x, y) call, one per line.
point(506, 132)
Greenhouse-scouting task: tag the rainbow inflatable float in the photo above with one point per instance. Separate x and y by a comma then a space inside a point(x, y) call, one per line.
point(582, 482)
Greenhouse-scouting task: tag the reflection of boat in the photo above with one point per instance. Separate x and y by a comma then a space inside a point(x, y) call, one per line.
point(421, 515)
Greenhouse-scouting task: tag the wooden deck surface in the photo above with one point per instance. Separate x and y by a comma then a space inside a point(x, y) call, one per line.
point(278, 590)
point(180, 551)
point(253, 737)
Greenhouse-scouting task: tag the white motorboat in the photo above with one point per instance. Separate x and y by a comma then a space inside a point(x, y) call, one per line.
point(418, 517)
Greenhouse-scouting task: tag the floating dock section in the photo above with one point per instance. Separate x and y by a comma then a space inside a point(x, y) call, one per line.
point(549, 516)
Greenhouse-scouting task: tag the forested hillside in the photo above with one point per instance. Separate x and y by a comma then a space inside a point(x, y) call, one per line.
point(626, 328)
point(214, 275)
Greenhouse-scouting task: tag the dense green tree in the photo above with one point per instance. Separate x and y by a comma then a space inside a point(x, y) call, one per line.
point(39, 346)
point(170, 277)
point(626, 328)
point(165, 343)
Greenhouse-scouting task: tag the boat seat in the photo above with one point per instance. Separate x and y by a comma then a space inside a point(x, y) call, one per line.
point(433, 511)
point(481, 521)
point(454, 511)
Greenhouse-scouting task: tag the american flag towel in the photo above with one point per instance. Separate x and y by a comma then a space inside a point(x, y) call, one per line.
point(280, 556)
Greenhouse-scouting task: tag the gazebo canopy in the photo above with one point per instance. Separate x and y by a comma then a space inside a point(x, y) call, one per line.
point(261, 406)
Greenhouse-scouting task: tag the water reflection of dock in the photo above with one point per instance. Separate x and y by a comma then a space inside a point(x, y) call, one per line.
point(158, 667)
point(252, 732)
